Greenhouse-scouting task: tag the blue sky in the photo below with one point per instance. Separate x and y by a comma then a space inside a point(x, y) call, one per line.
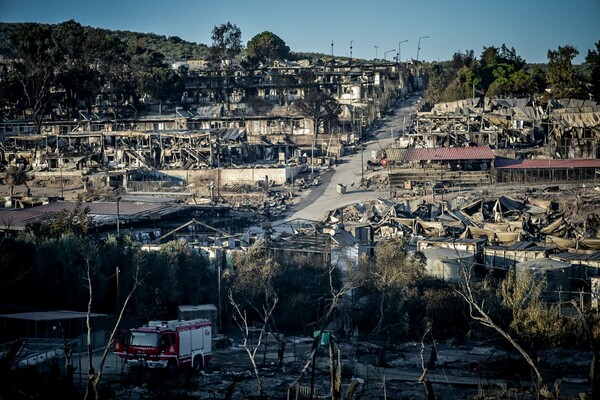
point(532, 27)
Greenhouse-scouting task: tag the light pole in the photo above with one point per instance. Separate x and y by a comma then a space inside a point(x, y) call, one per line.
point(385, 54)
point(419, 46)
point(351, 49)
point(400, 66)
point(376, 47)
point(118, 216)
point(400, 50)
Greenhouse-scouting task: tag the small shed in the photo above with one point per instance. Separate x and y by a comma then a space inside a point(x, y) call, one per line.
point(588, 260)
point(471, 246)
point(202, 311)
point(51, 324)
point(507, 257)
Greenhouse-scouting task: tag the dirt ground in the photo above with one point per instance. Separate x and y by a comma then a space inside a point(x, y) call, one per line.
point(463, 371)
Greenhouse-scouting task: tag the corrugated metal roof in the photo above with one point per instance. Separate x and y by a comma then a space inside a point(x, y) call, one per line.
point(344, 238)
point(19, 218)
point(519, 246)
point(230, 133)
point(595, 256)
point(51, 315)
point(448, 154)
point(507, 163)
point(208, 111)
point(453, 240)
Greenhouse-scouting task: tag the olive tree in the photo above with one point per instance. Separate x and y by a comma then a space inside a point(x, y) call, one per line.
point(390, 280)
point(525, 295)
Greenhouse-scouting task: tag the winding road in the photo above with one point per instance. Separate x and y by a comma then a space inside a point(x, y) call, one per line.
point(323, 198)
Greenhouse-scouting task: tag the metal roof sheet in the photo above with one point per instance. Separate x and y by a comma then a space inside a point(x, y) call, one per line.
point(507, 163)
point(595, 256)
point(51, 315)
point(448, 154)
point(19, 218)
point(519, 246)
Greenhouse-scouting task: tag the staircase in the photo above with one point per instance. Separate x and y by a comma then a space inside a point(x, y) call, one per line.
point(141, 158)
point(195, 158)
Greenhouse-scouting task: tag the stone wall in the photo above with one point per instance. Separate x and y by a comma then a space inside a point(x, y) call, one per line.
point(278, 175)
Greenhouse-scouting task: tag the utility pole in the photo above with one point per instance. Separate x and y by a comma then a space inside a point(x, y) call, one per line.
point(351, 49)
point(400, 66)
point(419, 46)
point(400, 50)
point(376, 47)
point(118, 216)
point(385, 54)
point(362, 163)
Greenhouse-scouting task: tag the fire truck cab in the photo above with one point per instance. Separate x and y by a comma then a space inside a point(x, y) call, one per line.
point(167, 344)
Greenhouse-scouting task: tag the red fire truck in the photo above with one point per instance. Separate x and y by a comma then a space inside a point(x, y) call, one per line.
point(167, 344)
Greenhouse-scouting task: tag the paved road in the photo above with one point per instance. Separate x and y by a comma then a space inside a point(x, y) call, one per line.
point(325, 197)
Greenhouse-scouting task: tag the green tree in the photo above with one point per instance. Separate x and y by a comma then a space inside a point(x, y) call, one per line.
point(34, 69)
point(116, 72)
point(522, 83)
point(83, 58)
point(462, 87)
point(436, 83)
point(74, 71)
point(391, 280)
point(501, 87)
point(561, 73)
point(226, 45)
point(11, 93)
point(265, 47)
point(253, 297)
point(161, 83)
point(532, 319)
point(175, 275)
point(16, 262)
point(498, 73)
point(321, 108)
point(255, 272)
point(302, 285)
point(17, 176)
point(77, 222)
point(593, 59)
point(226, 42)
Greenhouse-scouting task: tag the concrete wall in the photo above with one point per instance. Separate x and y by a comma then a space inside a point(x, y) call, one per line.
point(278, 175)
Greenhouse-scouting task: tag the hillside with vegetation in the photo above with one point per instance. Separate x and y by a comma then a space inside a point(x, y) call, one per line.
point(172, 47)
point(501, 72)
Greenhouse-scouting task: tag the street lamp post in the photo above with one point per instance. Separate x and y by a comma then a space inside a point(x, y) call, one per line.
point(352, 41)
point(419, 46)
point(118, 216)
point(400, 66)
point(376, 47)
point(400, 50)
point(385, 54)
